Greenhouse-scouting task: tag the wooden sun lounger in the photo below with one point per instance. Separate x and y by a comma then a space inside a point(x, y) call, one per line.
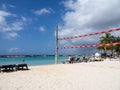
point(7, 67)
point(0, 68)
point(13, 67)
point(73, 61)
point(21, 67)
point(76, 60)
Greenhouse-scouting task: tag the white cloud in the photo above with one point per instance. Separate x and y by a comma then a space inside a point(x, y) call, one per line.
point(42, 29)
point(7, 6)
point(13, 34)
point(12, 6)
point(17, 26)
point(43, 11)
point(24, 18)
point(10, 29)
point(3, 16)
point(88, 16)
point(14, 50)
point(10, 35)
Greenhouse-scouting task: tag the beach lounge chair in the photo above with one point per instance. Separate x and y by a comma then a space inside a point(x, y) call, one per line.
point(67, 61)
point(21, 67)
point(98, 59)
point(0, 68)
point(7, 67)
point(72, 61)
point(76, 60)
point(85, 59)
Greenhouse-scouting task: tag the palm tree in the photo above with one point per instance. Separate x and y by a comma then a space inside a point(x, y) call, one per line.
point(108, 38)
point(117, 47)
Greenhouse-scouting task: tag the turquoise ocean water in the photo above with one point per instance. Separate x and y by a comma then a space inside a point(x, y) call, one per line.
point(32, 61)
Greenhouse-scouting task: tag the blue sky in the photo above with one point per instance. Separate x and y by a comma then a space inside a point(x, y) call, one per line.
point(28, 26)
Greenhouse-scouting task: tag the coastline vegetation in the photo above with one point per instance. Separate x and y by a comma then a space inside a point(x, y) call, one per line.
point(106, 39)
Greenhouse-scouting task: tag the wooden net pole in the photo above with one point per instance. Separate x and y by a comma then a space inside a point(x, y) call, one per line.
point(56, 53)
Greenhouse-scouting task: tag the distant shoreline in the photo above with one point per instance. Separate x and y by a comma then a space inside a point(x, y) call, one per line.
point(22, 56)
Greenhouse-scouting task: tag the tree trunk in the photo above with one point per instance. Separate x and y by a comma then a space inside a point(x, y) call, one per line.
point(105, 51)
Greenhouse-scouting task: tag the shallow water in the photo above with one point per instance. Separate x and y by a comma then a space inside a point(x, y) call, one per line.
point(32, 61)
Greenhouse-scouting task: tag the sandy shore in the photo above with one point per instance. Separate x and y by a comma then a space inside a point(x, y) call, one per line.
point(80, 76)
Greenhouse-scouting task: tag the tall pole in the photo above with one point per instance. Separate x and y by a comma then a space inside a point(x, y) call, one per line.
point(56, 54)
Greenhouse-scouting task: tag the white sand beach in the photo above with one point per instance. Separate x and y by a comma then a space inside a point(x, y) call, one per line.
point(79, 76)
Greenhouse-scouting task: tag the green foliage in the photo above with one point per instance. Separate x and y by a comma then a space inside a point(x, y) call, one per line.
point(108, 38)
point(117, 47)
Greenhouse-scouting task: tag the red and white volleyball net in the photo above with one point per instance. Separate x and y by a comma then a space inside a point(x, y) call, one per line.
point(88, 46)
point(91, 45)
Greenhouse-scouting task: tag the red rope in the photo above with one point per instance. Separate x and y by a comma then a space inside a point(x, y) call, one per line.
point(117, 29)
point(91, 45)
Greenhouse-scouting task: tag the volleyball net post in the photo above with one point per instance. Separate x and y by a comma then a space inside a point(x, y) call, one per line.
point(56, 52)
